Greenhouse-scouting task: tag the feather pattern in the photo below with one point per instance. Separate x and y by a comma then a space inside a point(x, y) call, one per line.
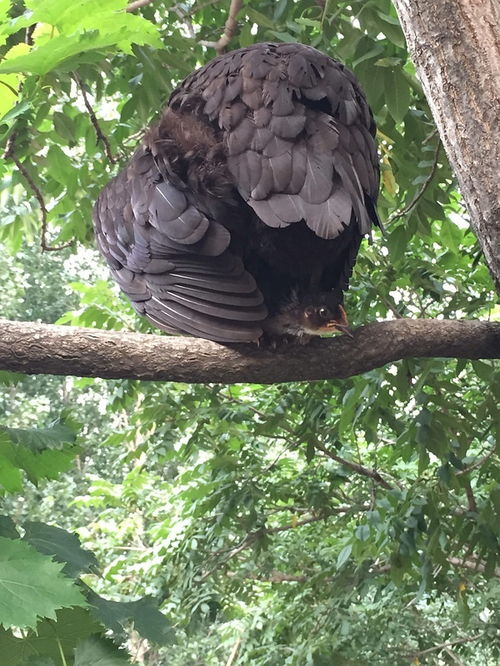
point(257, 184)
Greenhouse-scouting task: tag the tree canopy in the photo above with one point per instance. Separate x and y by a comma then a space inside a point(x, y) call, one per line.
point(348, 521)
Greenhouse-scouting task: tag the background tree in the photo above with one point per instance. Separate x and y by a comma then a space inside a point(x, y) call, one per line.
point(353, 521)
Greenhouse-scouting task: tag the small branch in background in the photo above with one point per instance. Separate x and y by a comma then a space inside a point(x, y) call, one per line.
point(138, 4)
point(229, 29)
point(407, 209)
point(476, 464)
point(471, 500)
point(11, 155)
point(234, 652)
point(29, 34)
point(391, 305)
point(359, 469)
point(442, 646)
point(472, 564)
point(201, 6)
point(93, 118)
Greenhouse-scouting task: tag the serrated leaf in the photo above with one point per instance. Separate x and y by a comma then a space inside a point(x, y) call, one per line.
point(95, 31)
point(50, 639)
point(32, 586)
point(39, 439)
point(143, 613)
point(62, 545)
point(99, 652)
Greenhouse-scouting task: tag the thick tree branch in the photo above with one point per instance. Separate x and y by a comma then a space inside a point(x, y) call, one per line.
point(33, 348)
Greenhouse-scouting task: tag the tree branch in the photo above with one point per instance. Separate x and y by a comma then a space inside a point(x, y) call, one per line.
point(137, 5)
point(229, 28)
point(93, 119)
point(11, 154)
point(33, 348)
point(473, 564)
point(442, 646)
point(407, 209)
point(356, 467)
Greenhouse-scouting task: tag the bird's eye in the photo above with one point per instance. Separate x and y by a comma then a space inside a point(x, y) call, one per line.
point(324, 313)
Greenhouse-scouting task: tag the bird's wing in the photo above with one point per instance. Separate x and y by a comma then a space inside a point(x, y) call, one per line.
point(172, 261)
point(299, 135)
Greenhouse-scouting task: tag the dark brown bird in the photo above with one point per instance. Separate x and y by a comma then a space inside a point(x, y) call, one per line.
point(242, 212)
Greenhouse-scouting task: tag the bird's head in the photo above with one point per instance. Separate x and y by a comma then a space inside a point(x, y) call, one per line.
point(322, 313)
point(311, 314)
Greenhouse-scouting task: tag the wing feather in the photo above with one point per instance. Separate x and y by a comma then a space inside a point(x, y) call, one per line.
point(172, 261)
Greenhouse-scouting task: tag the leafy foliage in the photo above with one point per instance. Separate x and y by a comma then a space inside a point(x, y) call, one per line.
point(31, 586)
point(350, 522)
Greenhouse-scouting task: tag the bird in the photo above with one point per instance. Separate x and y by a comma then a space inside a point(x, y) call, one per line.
point(240, 215)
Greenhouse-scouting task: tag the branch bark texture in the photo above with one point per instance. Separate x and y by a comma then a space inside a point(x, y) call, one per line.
point(455, 45)
point(32, 348)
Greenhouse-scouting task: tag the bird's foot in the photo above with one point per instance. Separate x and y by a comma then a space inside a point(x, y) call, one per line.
point(279, 343)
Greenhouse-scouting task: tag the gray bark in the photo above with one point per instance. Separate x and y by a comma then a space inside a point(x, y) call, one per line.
point(455, 45)
point(32, 348)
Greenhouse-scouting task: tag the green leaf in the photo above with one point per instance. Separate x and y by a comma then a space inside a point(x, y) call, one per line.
point(62, 545)
point(50, 639)
point(39, 439)
point(143, 613)
point(343, 556)
point(397, 93)
point(397, 242)
point(259, 18)
point(92, 31)
point(31, 586)
point(64, 126)
point(362, 532)
point(99, 652)
point(60, 166)
point(8, 528)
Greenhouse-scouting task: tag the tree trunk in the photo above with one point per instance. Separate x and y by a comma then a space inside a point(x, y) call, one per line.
point(455, 45)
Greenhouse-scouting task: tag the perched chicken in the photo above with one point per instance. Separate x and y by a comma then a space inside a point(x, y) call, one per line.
point(242, 212)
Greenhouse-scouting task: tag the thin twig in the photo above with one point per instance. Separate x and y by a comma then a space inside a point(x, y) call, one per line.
point(471, 500)
point(229, 29)
point(10, 154)
point(391, 306)
point(442, 646)
point(359, 469)
point(201, 6)
point(138, 4)
point(234, 652)
point(93, 118)
point(472, 564)
point(478, 463)
point(407, 209)
point(252, 537)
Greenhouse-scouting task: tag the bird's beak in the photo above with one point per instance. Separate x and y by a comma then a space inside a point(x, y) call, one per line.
point(344, 329)
point(341, 324)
